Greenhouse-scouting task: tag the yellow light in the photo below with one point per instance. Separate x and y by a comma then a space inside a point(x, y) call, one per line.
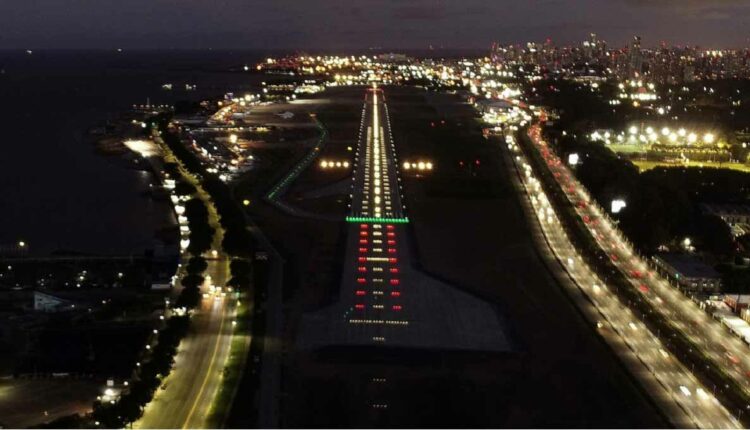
point(407, 166)
point(708, 138)
point(246, 202)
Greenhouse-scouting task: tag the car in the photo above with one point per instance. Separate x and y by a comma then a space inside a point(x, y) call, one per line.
point(732, 358)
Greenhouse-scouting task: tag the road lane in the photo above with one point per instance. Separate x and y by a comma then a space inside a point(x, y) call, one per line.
point(715, 342)
point(678, 393)
point(186, 395)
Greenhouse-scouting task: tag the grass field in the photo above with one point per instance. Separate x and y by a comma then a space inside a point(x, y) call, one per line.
point(647, 165)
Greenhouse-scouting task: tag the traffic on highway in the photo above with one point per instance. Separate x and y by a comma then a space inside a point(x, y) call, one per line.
point(683, 398)
point(723, 355)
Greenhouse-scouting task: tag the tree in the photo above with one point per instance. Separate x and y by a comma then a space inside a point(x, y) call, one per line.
point(184, 188)
point(196, 265)
point(714, 235)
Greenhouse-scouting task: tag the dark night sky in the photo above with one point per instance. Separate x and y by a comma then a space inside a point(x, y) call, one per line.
point(342, 24)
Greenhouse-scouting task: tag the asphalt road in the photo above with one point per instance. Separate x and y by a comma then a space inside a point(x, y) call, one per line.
point(680, 396)
point(185, 398)
point(715, 342)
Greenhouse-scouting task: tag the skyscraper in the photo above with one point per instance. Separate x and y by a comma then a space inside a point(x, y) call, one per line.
point(636, 57)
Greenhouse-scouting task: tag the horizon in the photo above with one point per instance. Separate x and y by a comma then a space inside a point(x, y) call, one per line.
point(337, 25)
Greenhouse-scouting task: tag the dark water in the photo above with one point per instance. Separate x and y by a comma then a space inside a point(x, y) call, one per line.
point(55, 191)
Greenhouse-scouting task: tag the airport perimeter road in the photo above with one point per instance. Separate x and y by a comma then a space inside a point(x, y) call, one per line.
point(716, 343)
point(186, 396)
point(680, 396)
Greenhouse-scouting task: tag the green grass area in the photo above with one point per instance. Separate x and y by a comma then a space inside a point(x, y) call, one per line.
point(647, 165)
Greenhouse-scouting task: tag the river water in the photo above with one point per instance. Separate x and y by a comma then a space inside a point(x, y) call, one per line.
point(56, 192)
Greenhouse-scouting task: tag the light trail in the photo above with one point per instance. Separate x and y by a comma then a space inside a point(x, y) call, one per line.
point(620, 326)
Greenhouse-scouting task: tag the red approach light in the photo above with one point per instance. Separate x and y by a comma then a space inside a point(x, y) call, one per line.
point(432, 124)
point(643, 288)
point(363, 241)
point(395, 293)
point(363, 226)
point(361, 280)
point(359, 306)
point(614, 257)
point(396, 307)
point(362, 259)
point(362, 269)
point(390, 227)
point(461, 163)
point(395, 281)
point(391, 250)
point(391, 234)
point(363, 233)
point(393, 269)
point(391, 242)
point(477, 162)
point(360, 292)
point(393, 260)
point(363, 250)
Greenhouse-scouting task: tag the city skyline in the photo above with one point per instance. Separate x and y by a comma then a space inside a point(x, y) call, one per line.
point(334, 24)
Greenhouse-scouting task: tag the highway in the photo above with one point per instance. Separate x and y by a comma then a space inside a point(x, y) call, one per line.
point(185, 397)
point(680, 396)
point(715, 342)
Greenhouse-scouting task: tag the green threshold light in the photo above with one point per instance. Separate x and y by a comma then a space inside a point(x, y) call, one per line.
point(374, 220)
